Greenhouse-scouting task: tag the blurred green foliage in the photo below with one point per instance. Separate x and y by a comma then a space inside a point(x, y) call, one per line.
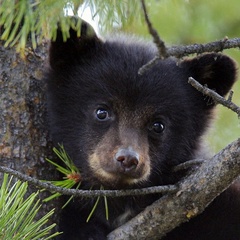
point(199, 21)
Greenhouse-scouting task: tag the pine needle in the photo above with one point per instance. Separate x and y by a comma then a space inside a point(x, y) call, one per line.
point(21, 21)
point(71, 177)
point(18, 213)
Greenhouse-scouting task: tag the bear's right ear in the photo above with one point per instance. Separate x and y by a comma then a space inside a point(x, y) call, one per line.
point(215, 70)
point(81, 40)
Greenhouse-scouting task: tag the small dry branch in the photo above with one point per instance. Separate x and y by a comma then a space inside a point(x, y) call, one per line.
point(88, 193)
point(216, 46)
point(162, 50)
point(186, 50)
point(188, 164)
point(108, 193)
point(215, 96)
point(181, 51)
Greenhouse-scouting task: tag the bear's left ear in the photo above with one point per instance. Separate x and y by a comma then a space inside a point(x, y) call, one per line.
point(81, 41)
point(215, 70)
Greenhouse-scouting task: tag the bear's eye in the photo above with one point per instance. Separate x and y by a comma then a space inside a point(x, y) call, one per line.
point(157, 127)
point(102, 114)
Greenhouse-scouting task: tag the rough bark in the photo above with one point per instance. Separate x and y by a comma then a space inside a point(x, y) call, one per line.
point(24, 142)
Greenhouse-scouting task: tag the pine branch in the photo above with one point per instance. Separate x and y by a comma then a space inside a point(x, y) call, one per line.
point(25, 20)
point(18, 213)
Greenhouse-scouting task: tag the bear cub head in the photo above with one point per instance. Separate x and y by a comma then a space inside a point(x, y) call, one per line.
point(122, 129)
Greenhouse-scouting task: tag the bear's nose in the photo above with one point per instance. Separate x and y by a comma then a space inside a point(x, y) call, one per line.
point(128, 158)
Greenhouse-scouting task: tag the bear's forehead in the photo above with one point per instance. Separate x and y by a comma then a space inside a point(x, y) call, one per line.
point(129, 93)
point(135, 116)
point(119, 77)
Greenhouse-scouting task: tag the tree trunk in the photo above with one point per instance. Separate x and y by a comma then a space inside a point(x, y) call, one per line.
point(24, 141)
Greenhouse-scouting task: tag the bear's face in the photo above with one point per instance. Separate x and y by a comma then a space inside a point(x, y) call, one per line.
point(122, 129)
point(128, 121)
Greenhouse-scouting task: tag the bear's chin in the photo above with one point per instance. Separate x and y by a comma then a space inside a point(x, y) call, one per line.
point(116, 182)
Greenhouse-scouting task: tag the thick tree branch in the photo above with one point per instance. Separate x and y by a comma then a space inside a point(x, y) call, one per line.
point(215, 96)
point(195, 193)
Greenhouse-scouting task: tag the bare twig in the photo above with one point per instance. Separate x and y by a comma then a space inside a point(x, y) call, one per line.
point(188, 164)
point(216, 46)
point(195, 193)
point(230, 96)
point(88, 193)
point(148, 65)
point(162, 50)
point(185, 50)
point(110, 193)
point(181, 51)
point(215, 96)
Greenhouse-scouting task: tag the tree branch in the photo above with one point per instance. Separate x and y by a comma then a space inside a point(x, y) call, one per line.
point(185, 50)
point(195, 193)
point(215, 96)
point(162, 50)
point(88, 193)
point(108, 193)
point(216, 46)
point(188, 164)
point(181, 51)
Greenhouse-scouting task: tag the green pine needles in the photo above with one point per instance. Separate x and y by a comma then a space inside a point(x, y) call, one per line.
point(24, 19)
point(18, 213)
point(71, 178)
point(35, 20)
point(70, 172)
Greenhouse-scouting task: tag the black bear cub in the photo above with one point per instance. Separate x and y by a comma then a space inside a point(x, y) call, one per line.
point(124, 130)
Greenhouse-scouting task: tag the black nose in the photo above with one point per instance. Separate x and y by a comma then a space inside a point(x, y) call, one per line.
point(128, 158)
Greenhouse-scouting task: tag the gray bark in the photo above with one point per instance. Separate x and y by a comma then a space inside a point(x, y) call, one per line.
point(24, 141)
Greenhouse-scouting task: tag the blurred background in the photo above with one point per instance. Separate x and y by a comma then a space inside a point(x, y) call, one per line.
point(188, 22)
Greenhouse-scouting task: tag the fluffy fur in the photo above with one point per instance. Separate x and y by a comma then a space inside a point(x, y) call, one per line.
point(125, 130)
